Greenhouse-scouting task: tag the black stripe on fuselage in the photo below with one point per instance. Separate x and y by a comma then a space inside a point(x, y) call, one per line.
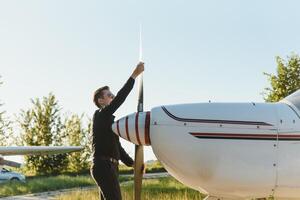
point(211, 121)
point(247, 138)
point(293, 110)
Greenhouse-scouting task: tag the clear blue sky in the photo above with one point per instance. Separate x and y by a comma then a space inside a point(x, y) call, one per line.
point(194, 51)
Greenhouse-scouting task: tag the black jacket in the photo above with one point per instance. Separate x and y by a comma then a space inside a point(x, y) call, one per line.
point(105, 142)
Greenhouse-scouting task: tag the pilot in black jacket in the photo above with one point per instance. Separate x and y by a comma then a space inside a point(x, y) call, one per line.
point(107, 150)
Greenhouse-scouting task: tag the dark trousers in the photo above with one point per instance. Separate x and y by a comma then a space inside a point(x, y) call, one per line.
point(105, 174)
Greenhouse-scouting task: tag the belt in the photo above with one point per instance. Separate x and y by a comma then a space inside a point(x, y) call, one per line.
point(114, 161)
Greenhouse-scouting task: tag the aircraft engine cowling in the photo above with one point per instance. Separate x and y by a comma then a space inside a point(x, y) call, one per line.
point(134, 128)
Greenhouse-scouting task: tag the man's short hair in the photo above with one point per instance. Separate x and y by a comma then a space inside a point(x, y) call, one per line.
point(98, 94)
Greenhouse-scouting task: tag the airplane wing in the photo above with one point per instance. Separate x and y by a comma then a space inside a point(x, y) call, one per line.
point(37, 150)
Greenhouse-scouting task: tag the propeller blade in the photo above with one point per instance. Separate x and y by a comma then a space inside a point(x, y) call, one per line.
point(138, 171)
point(140, 107)
point(141, 45)
point(139, 150)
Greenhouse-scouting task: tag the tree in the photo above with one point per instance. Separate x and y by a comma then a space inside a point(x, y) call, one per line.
point(286, 81)
point(5, 128)
point(77, 135)
point(88, 147)
point(41, 125)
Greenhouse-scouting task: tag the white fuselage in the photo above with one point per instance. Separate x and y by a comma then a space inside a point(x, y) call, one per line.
point(230, 150)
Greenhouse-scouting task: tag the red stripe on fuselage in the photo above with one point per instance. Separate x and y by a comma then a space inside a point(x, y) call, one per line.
point(137, 128)
point(118, 128)
point(147, 129)
point(126, 127)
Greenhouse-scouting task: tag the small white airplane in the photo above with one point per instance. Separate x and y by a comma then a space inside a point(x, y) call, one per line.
point(32, 150)
point(225, 150)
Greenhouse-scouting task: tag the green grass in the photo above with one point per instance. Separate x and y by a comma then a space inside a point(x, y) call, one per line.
point(162, 188)
point(37, 184)
point(43, 184)
point(150, 168)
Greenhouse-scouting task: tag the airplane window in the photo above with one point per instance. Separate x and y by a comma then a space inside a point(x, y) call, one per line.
point(294, 99)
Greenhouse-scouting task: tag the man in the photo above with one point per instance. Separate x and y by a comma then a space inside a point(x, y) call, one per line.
point(107, 150)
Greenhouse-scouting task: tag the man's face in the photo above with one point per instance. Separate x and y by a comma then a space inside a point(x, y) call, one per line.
point(106, 98)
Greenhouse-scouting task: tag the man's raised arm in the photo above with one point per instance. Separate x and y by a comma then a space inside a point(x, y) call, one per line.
point(125, 90)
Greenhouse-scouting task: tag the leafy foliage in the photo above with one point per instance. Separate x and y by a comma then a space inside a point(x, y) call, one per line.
point(77, 135)
point(286, 81)
point(41, 126)
point(5, 128)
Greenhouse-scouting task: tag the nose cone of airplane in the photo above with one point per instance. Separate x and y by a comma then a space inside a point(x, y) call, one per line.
point(134, 128)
